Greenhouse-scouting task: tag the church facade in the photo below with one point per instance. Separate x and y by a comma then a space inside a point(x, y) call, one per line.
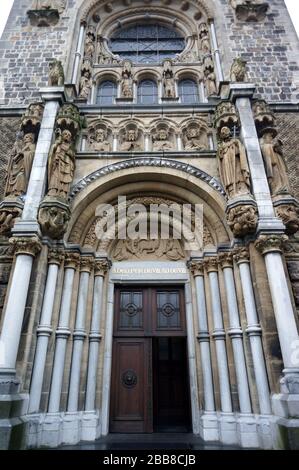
point(118, 120)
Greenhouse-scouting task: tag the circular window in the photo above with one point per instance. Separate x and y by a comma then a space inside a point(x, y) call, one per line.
point(146, 44)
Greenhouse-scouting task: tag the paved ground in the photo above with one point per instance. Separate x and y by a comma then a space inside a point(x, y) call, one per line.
point(165, 441)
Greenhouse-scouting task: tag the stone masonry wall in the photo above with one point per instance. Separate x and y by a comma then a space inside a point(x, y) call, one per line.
point(288, 132)
point(271, 48)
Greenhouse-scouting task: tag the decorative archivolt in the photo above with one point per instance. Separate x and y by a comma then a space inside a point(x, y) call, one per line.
point(202, 6)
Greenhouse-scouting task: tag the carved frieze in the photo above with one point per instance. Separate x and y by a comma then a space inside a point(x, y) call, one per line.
point(148, 249)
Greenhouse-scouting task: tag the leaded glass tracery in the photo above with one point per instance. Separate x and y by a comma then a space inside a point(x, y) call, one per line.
point(150, 43)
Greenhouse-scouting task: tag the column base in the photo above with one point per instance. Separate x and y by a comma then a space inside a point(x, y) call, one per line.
point(71, 428)
point(228, 429)
point(247, 431)
point(91, 425)
point(287, 435)
point(12, 426)
point(209, 426)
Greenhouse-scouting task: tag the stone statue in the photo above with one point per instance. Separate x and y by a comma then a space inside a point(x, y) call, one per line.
point(89, 47)
point(56, 73)
point(161, 141)
point(168, 80)
point(233, 165)
point(20, 166)
point(204, 38)
point(238, 70)
point(210, 82)
point(127, 81)
point(130, 144)
point(85, 85)
point(274, 162)
point(61, 165)
point(192, 140)
point(99, 142)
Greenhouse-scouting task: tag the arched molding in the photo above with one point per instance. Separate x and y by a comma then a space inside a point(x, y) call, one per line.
point(104, 75)
point(147, 74)
point(186, 73)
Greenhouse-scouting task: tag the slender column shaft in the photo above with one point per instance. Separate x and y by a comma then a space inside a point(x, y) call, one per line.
point(37, 182)
point(147, 143)
point(115, 143)
point(14, 312)
point(236, 335)
point(62, 335)
point(216, 52)
point(78, 54)
point(203, 92)
point(204, 343)
point(179, 142)
point(219, 336)
point(44, 331)
point(254, 332)
point(94, 343)
point(79, 336)
point(282, 305)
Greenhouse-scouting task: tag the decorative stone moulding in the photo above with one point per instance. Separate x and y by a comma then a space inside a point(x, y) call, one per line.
point(226, 116)
point(263, 116)
point(287, 209)
point(43, 18)
point(10, 211)
point(250, 10)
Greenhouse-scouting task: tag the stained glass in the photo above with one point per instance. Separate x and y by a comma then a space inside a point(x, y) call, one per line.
point(147, 43)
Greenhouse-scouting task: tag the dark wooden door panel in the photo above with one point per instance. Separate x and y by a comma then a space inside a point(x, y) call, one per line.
point(131, 389)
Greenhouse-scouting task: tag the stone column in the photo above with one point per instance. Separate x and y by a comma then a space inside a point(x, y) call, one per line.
point(254, 331)
point(44, 331)
point(235, 333)
point(216, 52)
point(101, 267)
point(242, 94)
point(53, 97)
point(62, 332)
point(79, 334)
point(203, 336)
point(115, 142)
point(271, 248)
point(26, 248)
point(78, 53)
point(219, 336)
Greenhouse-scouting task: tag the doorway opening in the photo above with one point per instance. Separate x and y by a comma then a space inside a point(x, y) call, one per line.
point(150, 380)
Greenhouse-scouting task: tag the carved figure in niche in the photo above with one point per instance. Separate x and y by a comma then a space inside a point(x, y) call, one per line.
point(168, 80)
point(61, 165)
point(99, 142)
point(210, 82)
point(233, 165)
point(204, 38)
point(85, 85)
point(238, 70)
point(161, 141)
point(56, 73)
point(20, 166)
point(130, 143)
point(192, 139)
point(274, 162)
point(89, 47)
point(127, 81)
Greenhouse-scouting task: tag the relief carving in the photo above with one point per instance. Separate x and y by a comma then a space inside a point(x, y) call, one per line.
point(131, 140)
point(46, 12)
point(250, 10)
point(195, 136)
point(274, 162)
point(242, 220)
point(161, 140)
point(204, 39)
point(98, 140)
point(89, 45)
point(238, 70)
point(148, 249)
point(56, 73)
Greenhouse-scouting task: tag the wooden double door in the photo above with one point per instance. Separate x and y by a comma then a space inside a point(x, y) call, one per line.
point(150, 385)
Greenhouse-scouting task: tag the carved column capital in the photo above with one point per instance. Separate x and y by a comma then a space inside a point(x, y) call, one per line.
point(211, 264)
point(71, 260)
point(101, 266)
point(55, 257)
point(86, 264)
point(226, 260)
point(270, 243)
point(241, 255)
point(196, 267)
point(26, 245)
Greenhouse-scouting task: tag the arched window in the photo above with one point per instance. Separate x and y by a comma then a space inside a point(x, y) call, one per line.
point(106, 93)
point(147, 92)
point(146, 43)
point(188, 91)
